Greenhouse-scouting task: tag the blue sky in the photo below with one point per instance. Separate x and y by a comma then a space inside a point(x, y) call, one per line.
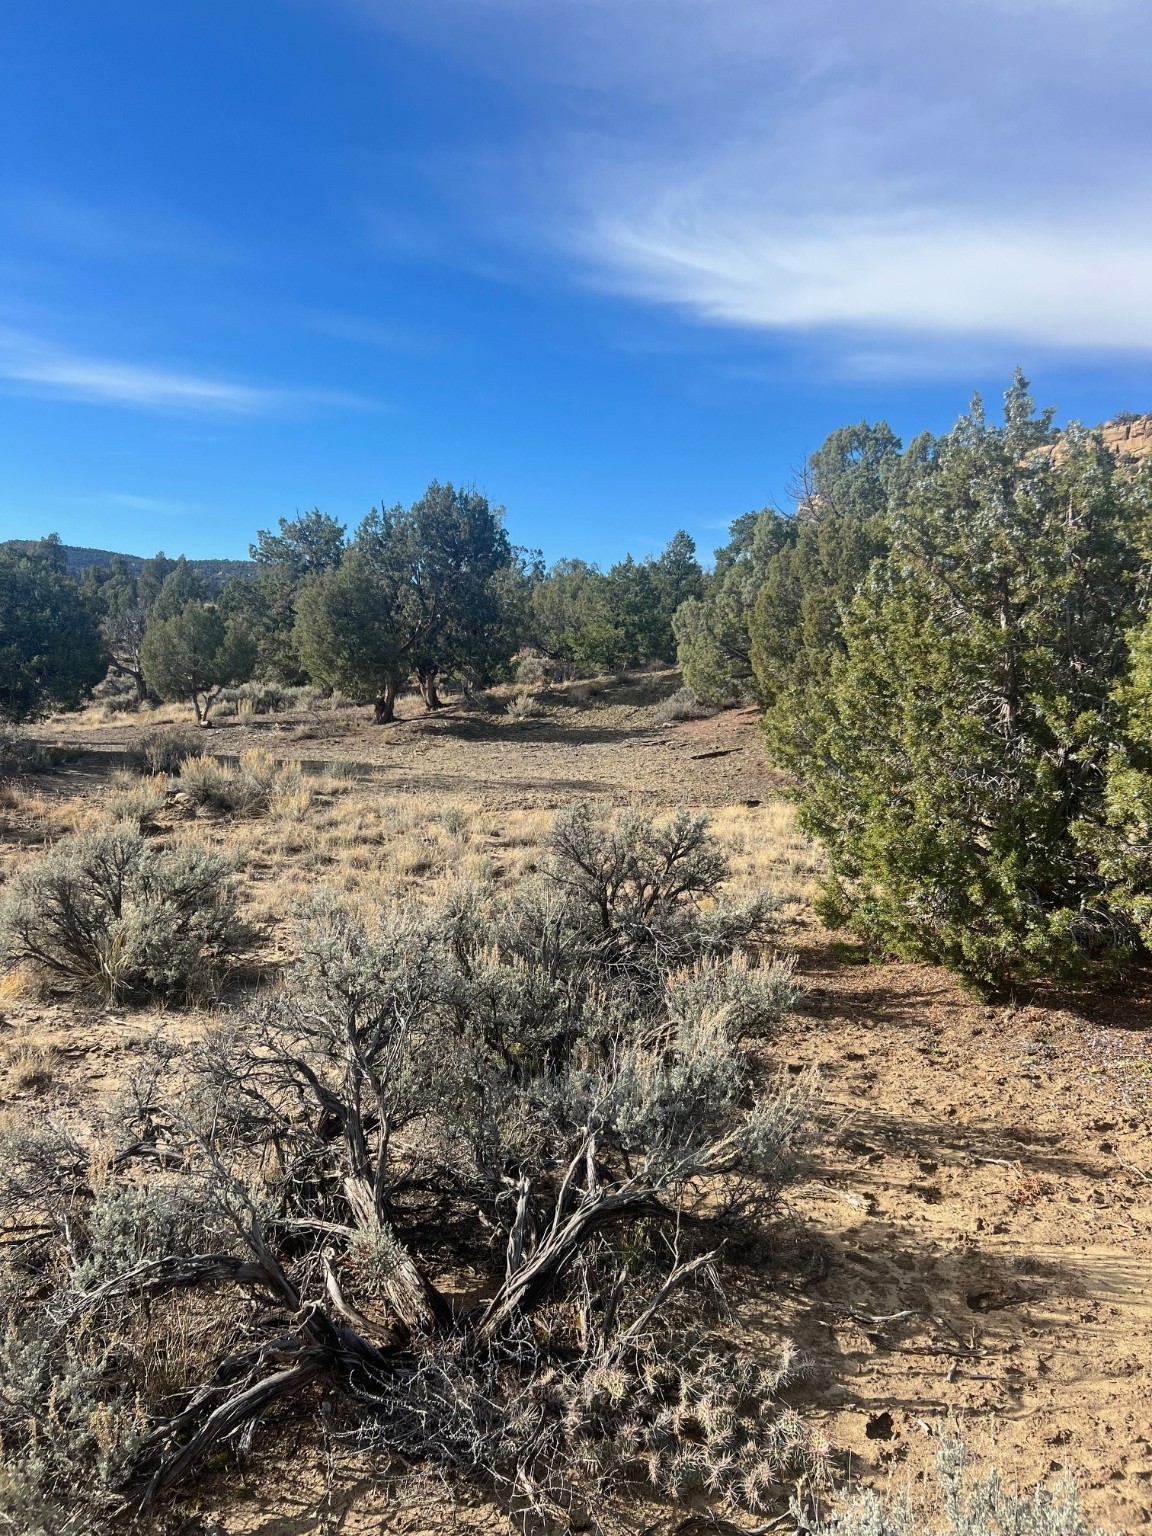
point(619, 263)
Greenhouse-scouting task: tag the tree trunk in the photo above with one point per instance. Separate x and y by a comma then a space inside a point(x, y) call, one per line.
point(428, 690)
point(384, 707)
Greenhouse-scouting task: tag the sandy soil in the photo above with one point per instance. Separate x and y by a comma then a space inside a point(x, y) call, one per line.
point(974, 1234)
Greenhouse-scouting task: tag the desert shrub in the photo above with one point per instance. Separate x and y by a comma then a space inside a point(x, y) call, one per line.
point(247, 788)
point(259, 698)
point(111, 915)
point(116, 695)
point(682, 705)
point(139, 804)
point(68, 1434)
point(524, 706)
point(164, 750)
point(21, 754)
point(963, 1504)
point(534, 670)
point(542, 1083)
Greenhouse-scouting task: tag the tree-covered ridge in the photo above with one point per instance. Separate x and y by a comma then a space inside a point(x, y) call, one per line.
point(78, 559)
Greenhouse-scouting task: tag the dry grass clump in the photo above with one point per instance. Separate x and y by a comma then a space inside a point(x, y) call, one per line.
point(681, 705)
point(29, 1063)
point(766, 847)
point(524, 706)
point(140, 803)
point(255, 785)
point(164, 750)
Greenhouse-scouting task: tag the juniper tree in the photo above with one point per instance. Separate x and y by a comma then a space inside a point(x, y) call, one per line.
point(194, 652)
point(963, 734)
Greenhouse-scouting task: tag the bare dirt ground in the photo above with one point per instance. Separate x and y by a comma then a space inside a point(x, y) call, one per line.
point(973, 1238)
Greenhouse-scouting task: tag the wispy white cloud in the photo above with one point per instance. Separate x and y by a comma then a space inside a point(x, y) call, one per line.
point(37, 366)
point(160, 505)
point(964, 172)
point(29, 365)
point(1051, 281)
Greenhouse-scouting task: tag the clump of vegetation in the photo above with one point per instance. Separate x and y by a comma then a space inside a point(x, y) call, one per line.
point(955, 740)
point(556, 1077)
point(534, 670)
point(192, 654)
point(524, 706)
point(165, 749)
point(113, 916)
point(963, 1504)
point(246, 788)
point(140, 803)
point(682, 705)
point(257, 698)
point(20, 754)
point(51, 653)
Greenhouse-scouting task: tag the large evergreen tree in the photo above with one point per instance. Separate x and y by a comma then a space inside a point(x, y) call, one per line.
point(305, 547)
point(190, 655)
point(426, 587)
point(124, 599)
point(960, 740)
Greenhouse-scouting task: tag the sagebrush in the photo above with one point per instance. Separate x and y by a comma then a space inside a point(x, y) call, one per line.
point(112, 915)
point(544, 1090)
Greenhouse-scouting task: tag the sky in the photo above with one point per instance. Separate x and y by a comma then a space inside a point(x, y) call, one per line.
point(620, 264)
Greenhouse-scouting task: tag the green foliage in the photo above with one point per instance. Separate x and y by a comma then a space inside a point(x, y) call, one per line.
point(1119, 837)
point(305, 547)
point(345, 636)
point(959, 738)
point(714, 646)
point(112, 915)
point(51, 653)
point(601, 621)
point(420, 592)
point(194, 653)
point(180, 585)
point(124, 594)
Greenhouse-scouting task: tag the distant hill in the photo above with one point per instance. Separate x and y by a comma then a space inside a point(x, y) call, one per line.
point(78, 560)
